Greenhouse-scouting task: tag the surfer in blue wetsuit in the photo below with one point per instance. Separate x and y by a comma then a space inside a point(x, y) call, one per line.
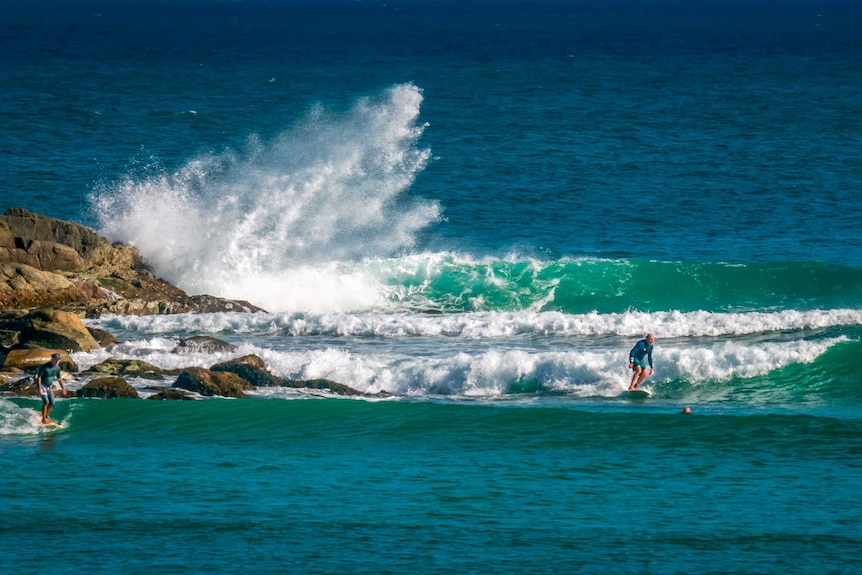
point(639, 356)
point(46, 376)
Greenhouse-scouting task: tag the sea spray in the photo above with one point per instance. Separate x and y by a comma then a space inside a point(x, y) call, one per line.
point(280, 222)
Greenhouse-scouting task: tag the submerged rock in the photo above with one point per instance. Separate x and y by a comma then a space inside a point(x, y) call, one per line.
point(126, 368)
point(333, 386)
point(169, 394)
point(203, 344)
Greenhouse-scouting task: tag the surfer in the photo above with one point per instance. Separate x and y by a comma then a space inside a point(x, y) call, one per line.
point(46, 376)
point(640, 354)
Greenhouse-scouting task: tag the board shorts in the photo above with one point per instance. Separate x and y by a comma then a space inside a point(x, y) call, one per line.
point(48, 396)
point(642, 363)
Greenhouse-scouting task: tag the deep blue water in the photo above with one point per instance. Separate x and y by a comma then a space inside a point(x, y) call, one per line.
point(556, 179)
point(621, 128)
point(343, 486)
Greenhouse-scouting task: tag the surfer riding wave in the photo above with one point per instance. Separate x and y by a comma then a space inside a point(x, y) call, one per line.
point(639, 356)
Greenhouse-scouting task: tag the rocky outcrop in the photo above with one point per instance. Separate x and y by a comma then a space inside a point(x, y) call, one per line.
point(47, 328)
point(206, 382)
point(108, 388)
point(46, 262)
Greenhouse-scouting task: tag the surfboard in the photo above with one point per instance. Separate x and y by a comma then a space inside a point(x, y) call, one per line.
point(51, 425)
point(638, 394)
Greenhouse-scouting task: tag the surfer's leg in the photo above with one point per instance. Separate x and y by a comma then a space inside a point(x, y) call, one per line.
point(635, 377)
point(47, 406)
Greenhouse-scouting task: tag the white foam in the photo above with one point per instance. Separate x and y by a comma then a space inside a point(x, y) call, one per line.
point(493, 372)
point(484, 325)
point(16, 420)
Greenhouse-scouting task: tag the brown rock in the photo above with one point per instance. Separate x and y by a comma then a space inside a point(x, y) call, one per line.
point(45, 262)
point(206, 382)
point(31, 359)
point(58, 329)
point(22, 286)
point(30, 230)
point(103, 337)
point(251, 368)
point(108, 388)
point(249, 360)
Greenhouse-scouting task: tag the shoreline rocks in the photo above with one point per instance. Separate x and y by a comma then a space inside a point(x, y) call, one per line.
point(46, 262)
point(53, 273)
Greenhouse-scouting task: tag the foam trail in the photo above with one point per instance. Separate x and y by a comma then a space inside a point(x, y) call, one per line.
point(15, 420)
point(278, 223)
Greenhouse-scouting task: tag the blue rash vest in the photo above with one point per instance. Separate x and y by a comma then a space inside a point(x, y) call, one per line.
point(641, 349)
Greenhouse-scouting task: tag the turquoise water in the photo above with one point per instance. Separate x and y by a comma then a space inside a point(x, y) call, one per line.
point(323, 486)
point(470, 213)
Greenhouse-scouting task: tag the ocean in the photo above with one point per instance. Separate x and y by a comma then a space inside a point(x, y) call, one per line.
point(470, 212)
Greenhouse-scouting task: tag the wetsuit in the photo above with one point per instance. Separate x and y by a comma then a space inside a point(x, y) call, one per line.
point(639, 352)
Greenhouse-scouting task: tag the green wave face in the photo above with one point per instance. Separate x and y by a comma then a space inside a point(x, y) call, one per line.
point(614, 286)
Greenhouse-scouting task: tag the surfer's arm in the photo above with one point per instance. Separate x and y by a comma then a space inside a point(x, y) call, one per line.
point(633, 353)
